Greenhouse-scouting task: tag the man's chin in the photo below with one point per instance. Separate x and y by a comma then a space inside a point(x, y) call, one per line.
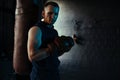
point(51, 23)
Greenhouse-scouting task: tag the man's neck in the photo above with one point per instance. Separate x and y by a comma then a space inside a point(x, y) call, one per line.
point(49, 26)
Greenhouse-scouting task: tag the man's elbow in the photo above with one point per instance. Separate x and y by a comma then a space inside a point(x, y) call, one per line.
point(31, 58)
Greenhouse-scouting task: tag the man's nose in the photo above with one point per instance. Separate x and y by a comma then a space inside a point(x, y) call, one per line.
point(53, 16)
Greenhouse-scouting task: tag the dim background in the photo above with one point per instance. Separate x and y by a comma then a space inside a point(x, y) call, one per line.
point(96, 21)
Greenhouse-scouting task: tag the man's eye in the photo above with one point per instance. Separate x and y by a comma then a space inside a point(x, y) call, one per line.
point(50, 13)
point(56, 13)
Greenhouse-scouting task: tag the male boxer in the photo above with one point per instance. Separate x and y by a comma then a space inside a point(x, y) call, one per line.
point(45, 46)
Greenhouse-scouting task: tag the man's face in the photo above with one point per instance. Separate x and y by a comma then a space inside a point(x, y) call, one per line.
point(50, 14)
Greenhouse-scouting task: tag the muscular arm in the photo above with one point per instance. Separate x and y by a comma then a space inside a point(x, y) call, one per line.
point(34, 42)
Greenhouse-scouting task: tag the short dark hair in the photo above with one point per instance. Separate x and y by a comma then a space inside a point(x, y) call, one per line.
point(51, 3)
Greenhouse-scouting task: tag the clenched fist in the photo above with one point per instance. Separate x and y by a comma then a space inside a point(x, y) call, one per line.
point(62, 44)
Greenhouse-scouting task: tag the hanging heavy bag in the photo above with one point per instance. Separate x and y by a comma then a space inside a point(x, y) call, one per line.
point(25, 17)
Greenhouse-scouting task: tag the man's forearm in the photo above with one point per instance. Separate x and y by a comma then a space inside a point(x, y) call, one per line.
point(40, 54)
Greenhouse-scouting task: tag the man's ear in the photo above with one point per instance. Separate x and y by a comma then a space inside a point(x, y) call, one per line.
point(43, 13)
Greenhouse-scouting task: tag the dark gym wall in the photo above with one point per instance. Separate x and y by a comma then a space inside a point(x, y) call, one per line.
point(7, 18)
point(96, 21)
point(7, 11)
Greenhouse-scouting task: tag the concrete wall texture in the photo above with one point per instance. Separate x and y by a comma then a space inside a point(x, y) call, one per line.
point(98, 23)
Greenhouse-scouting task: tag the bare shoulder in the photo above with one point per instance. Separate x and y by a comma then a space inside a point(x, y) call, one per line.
point(34, 30)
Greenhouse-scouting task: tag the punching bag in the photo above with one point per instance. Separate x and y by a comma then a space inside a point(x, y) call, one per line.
point(26, 16)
